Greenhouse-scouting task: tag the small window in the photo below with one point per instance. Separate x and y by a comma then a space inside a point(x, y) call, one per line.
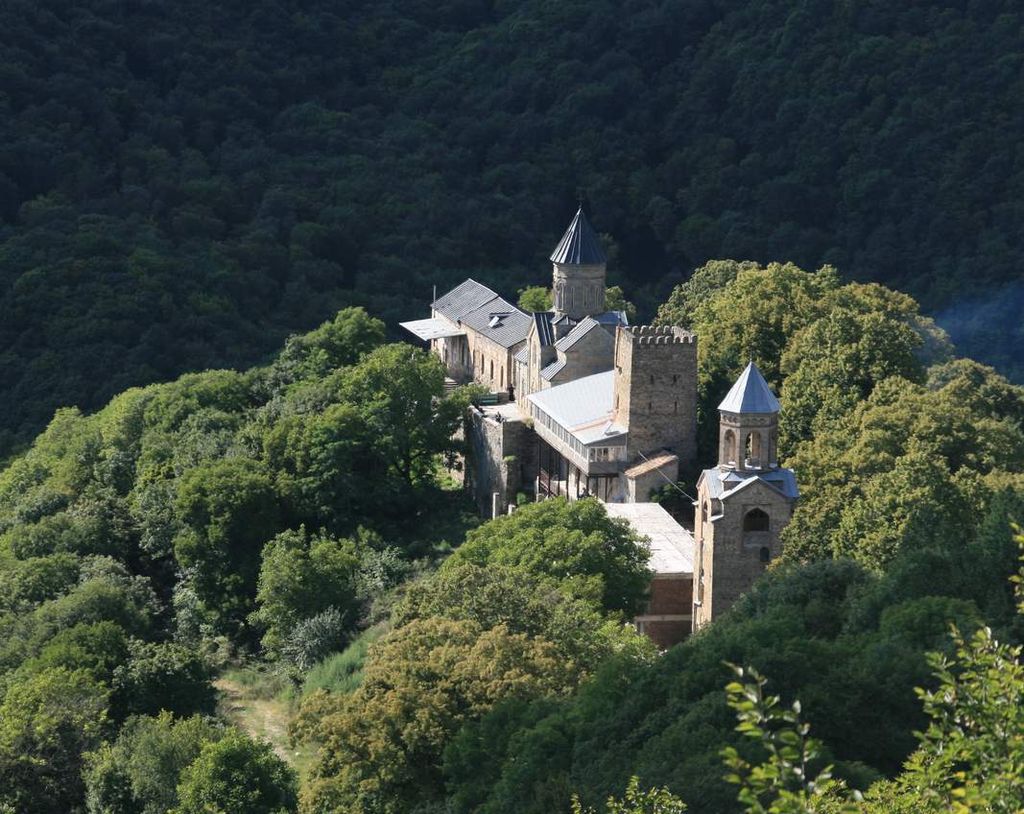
point(764, 554)
point(652, 379)
point(755, 520)
point(675, 378)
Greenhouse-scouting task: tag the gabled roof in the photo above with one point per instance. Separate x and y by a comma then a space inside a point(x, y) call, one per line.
point(550, 371)
point(462, 299)
point(750, 394)
point(583, 327)
point(545, 333)
point(522, 355)
point(724, 484)
point(579, 245)
point(500, 321)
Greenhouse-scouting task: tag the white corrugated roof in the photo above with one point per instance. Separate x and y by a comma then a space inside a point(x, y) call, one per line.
point(750, 394)
point(582, 401)
point(671, 545)
point(428, 329)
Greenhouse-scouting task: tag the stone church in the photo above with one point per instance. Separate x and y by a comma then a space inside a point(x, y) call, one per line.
point(583, 404)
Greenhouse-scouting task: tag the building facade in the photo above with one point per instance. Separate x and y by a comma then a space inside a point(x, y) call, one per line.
point(744, 502)
point(584, 405)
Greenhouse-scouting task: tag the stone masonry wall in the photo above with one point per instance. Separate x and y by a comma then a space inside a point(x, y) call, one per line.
point(502, 458)
point(578, 290)
point(729, 560)
point(656, 389)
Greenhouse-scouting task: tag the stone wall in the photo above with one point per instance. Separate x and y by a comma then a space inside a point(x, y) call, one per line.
point(656, 389)
point(593, 353)
point(491, 363)
point(578, 290)
point(501, 457)
point(728, 560)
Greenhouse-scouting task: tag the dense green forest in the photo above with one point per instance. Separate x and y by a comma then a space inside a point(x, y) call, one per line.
point(184, 184)
point(296, 519)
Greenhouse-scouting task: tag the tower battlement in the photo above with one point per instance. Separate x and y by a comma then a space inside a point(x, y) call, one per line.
point(656, 388)
point(661, 335)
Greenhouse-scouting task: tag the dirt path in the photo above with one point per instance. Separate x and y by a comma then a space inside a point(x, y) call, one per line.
point(260, 718)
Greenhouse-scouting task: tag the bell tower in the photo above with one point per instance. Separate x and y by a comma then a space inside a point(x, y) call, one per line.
point(748, 434)
point(743, 503)
point(578, 271)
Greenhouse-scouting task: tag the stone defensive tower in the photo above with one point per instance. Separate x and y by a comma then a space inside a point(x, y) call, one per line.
point(579, 271)
point(656, 389)
point(744, 503)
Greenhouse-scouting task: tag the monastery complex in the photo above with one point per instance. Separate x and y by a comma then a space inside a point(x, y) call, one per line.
point(581, 404)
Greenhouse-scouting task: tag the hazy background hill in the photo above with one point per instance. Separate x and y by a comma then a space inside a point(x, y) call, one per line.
point(181, 184)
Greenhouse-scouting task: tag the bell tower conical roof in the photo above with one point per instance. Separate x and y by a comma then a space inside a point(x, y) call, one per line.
point(579, 245)
point(750, 394)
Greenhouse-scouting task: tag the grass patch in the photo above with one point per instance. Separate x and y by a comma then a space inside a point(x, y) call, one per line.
point(342, 672)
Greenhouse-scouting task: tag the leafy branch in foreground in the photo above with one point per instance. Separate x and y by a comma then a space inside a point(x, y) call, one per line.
point(650, 801)
point(782, 784)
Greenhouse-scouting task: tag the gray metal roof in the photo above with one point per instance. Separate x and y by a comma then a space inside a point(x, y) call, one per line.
point(579, 245)
point(462, 299)
point(581, 403)
point(613, 318)
point(583, 327)
point(724, 484)
point(500, 321)
point(750, 394)
point(545, 333)
point(549, 371)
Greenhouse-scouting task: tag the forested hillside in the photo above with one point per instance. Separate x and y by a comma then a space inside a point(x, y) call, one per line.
point(295, 520)
point(183, 184)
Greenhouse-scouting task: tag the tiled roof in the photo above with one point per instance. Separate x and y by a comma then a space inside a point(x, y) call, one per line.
point(583, 327)
point(462, 299)
point(750, 394)
point(500, 321)
point(551, 370)
point(657, 462)
point(579, 245)
point(522, 355)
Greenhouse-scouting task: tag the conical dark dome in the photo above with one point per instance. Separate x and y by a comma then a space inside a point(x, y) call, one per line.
point(579, 245)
